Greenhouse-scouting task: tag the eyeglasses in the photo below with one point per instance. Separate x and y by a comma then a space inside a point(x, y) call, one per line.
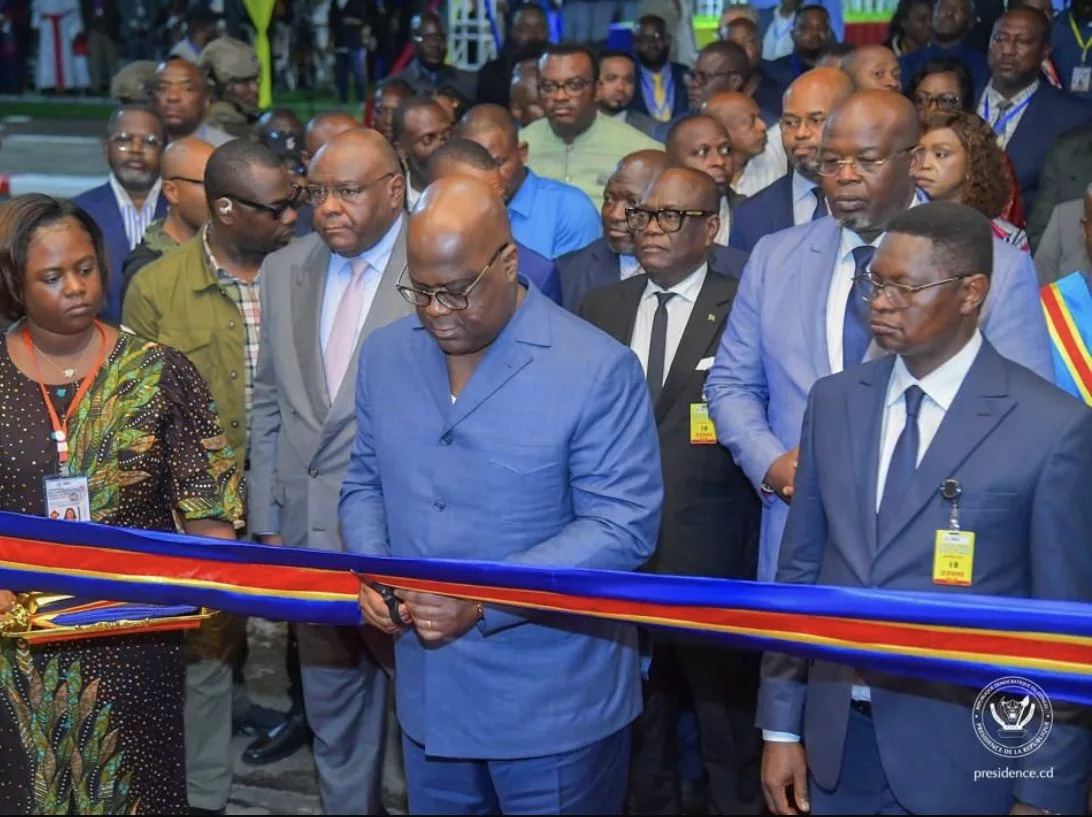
point(276, 210)
point(124, 142)
point(670, 220)
point(815, 121)
point(455, 301)
point(185, 179)
point(829, 166)
point(924, 100)
point(575, 85)
point(702, 78)
point(898, 295)
point(347, 193)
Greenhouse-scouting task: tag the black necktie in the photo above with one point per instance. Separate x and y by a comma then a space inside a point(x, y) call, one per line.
point(657, 347)
point(856, 334)
point(904, 461)
point(820, 204)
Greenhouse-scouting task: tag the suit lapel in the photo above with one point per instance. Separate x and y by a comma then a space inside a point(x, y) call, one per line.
point(606, 271)
point(864, 436)
point(813, 277)
point(308, 287)
point(784, 203)
point(706, 318)
point(1025, 133)
point(629, 295)
point(980, 404)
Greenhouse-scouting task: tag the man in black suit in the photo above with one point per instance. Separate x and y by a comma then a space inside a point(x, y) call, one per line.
point(672, 316)
point(526, 40)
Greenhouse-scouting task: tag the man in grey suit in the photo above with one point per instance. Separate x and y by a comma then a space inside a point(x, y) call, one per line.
point(1064, 247)
point(794, 319)
point(321, 296)
point(887, 449)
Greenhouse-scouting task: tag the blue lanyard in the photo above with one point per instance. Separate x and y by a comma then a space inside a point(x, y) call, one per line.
point(999, 127)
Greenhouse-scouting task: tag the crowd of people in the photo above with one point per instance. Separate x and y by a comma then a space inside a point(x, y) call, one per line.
point(821, 317)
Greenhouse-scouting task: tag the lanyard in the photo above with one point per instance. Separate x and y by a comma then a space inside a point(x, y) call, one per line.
point(1082, 44)
point(1002, 122)
point(59, 434)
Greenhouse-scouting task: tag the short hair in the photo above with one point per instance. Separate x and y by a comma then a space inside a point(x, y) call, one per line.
point(531, 8)
point(20, 218)
point(615, 54)
point(734, 54)
point(945, 65)
point(462, 102)
point(653, 19)
point(988, 187)
point(570, 50)
point(962, 237)
point(1042, 24)
point(404, 109)
point(137, 107)
point(463, 152)
point(680, 123)
point(396, 84)
point(809, 8)
point(744, 21)
point(895, 29)
point(483, 118)
point(228, 170)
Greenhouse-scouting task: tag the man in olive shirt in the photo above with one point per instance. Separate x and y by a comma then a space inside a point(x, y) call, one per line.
point(576, 144)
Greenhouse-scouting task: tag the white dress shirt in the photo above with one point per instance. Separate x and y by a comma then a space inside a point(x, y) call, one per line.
point(777, 41)
point(989, 106)
point(135, 221)
point(940, 387)
point(678, 313)
point(628, 266)
point(766, 168)
point(339, 275)
point(725, 222)
point(803, 199)
point(411, 194)
point(840, 285)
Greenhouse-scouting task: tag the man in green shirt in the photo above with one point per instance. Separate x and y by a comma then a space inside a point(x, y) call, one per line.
point(575, 143)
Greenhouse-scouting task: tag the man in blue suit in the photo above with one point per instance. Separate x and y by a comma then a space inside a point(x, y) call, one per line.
point(662, 86)
point(507, 430)
point(797, 197)
point(794, 319)
point(1027, 112)
point(886, 450)
point(130, 200)
point(952, 21)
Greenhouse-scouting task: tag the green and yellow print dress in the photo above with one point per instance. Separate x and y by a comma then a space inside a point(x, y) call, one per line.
point(95, 726)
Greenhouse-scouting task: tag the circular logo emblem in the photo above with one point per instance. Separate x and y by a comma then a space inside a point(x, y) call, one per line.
point(1012, 716)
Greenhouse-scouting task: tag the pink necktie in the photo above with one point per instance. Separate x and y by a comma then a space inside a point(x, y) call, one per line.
point(339, 346)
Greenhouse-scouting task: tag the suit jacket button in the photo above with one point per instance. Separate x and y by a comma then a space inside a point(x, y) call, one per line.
point(439, 504)
point(234, 423)
point(312, 472)
point(233, 374)
point(445, 440)
point(231, 324)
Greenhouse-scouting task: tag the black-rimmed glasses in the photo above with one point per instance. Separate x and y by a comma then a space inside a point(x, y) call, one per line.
point(898, 295)
point(669, 219)
point(456, 301)
point(276, 210)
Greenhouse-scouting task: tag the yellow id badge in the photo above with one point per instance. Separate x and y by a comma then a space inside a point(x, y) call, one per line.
point(953, 559)
point(702, 431)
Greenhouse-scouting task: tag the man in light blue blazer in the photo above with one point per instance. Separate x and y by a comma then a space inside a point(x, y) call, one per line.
point(882, 447)
point(493, 425)
point(795, 319)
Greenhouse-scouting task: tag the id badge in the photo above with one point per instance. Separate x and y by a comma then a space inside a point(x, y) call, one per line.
point(67, 498)
point(702, 431)
point(1081, 80)
point(953, 558)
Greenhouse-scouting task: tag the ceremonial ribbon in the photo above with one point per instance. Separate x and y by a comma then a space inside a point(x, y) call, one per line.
point(949, 637)
point(1082, 43)
point(1067, 305)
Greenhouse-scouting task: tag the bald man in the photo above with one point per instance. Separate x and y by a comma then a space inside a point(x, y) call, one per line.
point(696, 290)
point(182, 169)
point(324, 127)
point(759, 159)
point(549, 216)
point(796, 318)
point(490, 378)
point(873, 68)
point(795, 198)
point(701, 143)
point(611, 258)
point(321, 297)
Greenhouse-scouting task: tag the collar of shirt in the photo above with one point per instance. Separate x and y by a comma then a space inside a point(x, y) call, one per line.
point(628, 266)
point(523, 203)
point(222, 273)
point(436, 77)
point(687, 289)
point(412, 194)
point(941, 384)
point(849, 240)
point(126, 202)
point(995, 99)
point(377, 256)
point(802, 187)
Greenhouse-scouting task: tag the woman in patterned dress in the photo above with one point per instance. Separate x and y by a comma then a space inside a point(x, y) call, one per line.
point(95, 726)
point(962, 162)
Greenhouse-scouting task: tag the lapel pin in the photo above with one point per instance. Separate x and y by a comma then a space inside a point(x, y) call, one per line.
point(711, 317)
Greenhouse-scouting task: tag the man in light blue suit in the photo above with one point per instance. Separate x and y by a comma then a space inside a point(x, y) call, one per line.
point(885, 451)
point(795, 319)
point(494, 425)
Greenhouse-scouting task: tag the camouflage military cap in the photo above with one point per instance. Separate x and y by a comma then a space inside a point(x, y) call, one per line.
point(229, 60)
point(133, 83)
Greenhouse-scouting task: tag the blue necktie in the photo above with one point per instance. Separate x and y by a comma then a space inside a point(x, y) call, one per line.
point(820, 204)
point(904, 461)
point(856, 334)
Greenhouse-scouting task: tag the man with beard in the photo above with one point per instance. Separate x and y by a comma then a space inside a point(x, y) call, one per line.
point(130, 200)
point(759, 160)
point(182, 99)
point(232, 68)
point(202, 299)
point(796, 317)
point(701, 143)
point(428, 69)
point(575, 143)
point(795, 198)
point(615, 91)
point(526, 40)
point(420, 128)
point(721, 66)
point(952, 21)
point(810, 37)
point(661, 84)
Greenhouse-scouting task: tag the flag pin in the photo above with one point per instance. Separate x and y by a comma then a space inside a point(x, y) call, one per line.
point(711, 317)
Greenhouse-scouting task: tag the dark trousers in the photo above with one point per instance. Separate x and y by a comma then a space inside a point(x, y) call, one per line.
point(589, 780)
point(291, 669)
point(722, 686)
point(862, 785)
point(346, 63)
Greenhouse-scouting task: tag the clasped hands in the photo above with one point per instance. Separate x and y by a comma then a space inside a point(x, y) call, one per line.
point(435, 618)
